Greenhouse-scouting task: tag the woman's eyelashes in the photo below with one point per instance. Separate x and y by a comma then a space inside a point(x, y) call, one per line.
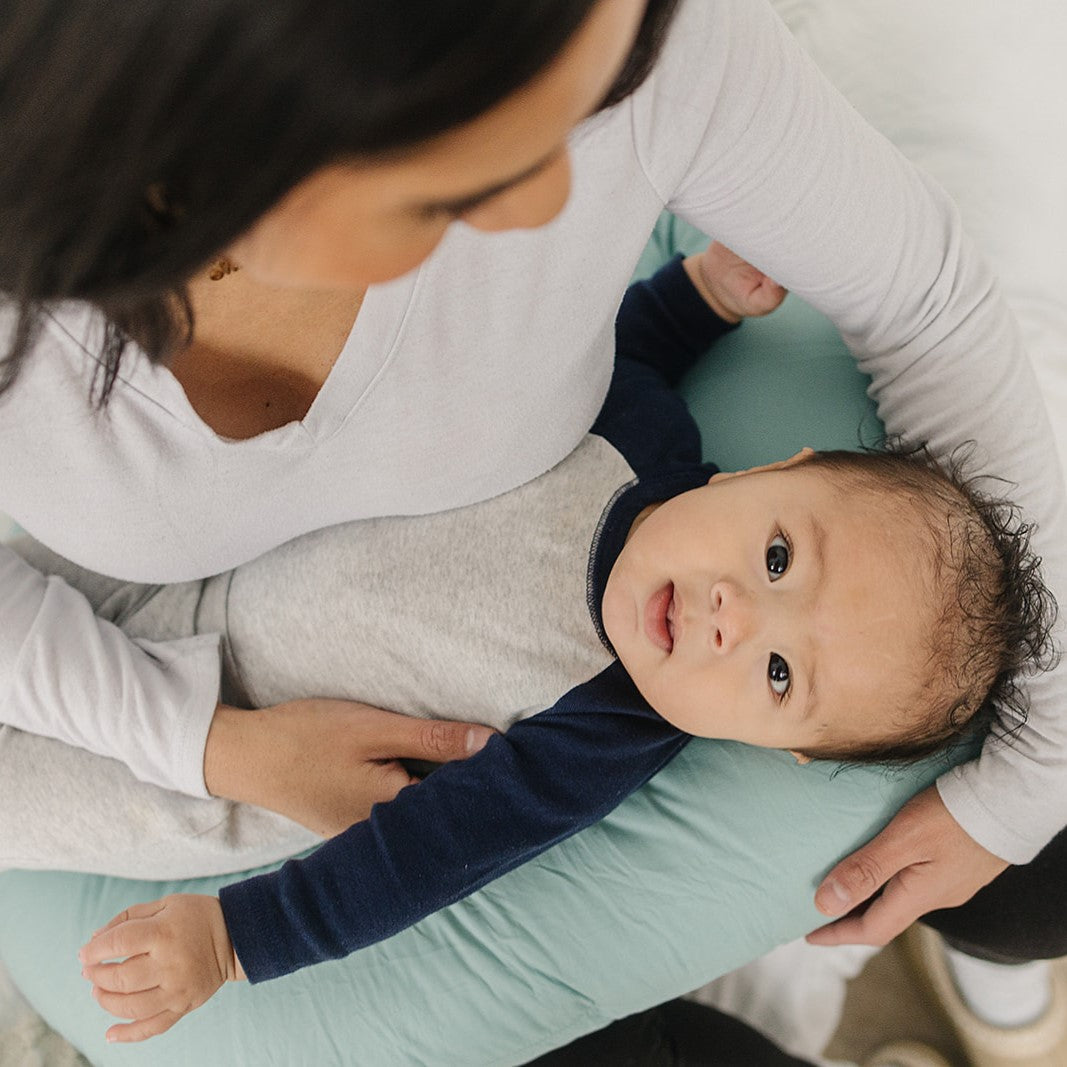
point(779, 556)
point(778, 676)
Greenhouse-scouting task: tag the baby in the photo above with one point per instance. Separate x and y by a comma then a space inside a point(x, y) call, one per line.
point(840, 606)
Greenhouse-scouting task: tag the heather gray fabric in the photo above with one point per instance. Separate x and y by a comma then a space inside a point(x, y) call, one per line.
point(477, 613)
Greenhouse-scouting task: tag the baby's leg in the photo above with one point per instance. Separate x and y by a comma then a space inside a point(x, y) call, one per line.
point(66, 808)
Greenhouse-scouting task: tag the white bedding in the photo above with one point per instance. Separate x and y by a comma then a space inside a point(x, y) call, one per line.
point(975, 91)
point(25, 1038)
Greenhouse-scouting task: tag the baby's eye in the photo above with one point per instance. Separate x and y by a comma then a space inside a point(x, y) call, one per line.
point(778, 674)
point(778, 554)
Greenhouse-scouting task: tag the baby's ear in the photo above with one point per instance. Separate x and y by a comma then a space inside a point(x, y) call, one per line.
point(779, 465)
point(800, 757)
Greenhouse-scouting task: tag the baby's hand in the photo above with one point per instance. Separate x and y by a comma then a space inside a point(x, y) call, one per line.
point(732, 287)
point(175, 953)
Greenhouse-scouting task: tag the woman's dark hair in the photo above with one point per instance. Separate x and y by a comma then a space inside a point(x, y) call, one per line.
point(139, 138)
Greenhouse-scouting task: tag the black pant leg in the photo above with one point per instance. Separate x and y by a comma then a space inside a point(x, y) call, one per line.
point(676, 1034)
point(1018, 917)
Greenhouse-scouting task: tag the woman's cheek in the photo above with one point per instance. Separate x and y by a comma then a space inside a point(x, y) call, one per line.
point(372, 259)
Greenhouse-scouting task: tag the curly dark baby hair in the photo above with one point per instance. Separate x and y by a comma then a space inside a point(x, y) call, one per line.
point(993, 615)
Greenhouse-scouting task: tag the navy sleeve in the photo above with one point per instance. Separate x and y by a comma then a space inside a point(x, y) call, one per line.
point(665, 324)
point(466, 824)
point(662, 329)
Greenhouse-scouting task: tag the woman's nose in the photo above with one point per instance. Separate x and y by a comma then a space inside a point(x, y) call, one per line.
point(733, 616)
point(532, 203)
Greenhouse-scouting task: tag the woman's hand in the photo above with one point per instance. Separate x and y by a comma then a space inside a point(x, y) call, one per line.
point(923, 860)
point(169, 957)
point(324, 763)
point(731, 286)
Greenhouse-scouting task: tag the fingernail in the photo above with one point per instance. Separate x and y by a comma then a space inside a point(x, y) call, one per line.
point(840, 901)
point(477, 738)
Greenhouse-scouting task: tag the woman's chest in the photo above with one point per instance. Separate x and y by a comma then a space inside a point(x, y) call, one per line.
point(259, 357)
point(472, 376)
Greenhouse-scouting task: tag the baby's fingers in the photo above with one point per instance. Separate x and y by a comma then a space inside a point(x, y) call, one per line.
point(137, 911)
point(126, 935)
point(131, 976)
point(147, 1004)
point(143, 1028)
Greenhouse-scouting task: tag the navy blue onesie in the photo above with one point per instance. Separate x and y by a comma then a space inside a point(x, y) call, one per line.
point(551, 774)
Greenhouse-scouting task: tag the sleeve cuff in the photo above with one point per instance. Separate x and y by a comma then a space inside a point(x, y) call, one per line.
point(193, 667)
point(980, 823)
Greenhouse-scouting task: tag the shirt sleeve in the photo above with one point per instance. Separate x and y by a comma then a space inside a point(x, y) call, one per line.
point(467, 823)
point(743, 137)
point(67, 674)
point(663, 327)
point(665, 324)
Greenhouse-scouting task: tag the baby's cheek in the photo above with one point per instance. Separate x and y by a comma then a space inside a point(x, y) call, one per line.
point(676, 698)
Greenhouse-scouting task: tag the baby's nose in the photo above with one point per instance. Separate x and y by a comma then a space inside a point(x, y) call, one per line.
point(732, 616)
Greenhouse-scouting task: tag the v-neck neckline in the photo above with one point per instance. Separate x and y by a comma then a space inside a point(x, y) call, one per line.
point(367, 350)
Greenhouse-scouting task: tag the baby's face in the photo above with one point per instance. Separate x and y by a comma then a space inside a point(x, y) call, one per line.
point(774, 608)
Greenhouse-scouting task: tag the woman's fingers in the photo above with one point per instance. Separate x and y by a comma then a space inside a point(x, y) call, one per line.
point(438, 740)
point(325, 763)
point(924, 860)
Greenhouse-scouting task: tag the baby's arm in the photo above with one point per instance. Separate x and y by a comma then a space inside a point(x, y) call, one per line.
point(465, 825)
point(670, 320)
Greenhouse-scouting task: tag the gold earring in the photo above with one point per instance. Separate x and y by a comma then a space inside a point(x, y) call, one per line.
point(221, 267)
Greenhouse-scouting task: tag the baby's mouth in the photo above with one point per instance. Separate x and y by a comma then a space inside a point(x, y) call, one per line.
point(659, 618)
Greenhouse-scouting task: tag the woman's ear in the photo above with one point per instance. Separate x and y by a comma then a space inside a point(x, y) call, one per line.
point(779, 465)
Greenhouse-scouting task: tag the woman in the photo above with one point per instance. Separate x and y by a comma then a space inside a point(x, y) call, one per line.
point(325, 155)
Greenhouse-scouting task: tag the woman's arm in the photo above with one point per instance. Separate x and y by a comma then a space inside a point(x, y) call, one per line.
point(788, 175)
point(72, 804)
point(73, 675)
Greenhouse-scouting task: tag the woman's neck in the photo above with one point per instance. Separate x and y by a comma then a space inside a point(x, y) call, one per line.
point(259, 355)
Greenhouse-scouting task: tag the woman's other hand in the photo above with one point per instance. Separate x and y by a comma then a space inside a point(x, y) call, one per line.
point(325, 763)
point(731, 286)
point(922, 861)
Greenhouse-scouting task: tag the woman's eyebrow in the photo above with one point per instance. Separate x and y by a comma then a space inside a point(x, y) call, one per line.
point(458, 205)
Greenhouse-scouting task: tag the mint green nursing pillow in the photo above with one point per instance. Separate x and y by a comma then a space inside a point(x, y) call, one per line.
point(711, 864)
